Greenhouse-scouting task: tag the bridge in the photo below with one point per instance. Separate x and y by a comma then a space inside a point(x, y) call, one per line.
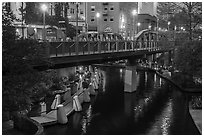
point(103, 48)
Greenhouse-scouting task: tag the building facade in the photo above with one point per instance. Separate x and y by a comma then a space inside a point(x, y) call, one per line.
point(103, 16)
point(115, 17)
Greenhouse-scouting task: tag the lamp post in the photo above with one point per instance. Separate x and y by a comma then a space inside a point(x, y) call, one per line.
point(97, 16)
point(44, 9)
point(134, 13)
point(77, 42)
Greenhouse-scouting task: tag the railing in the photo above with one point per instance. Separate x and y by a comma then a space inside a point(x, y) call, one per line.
point(99, 47)
point(144, 40)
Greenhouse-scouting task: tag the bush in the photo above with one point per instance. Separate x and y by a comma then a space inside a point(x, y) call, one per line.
point(188, 58)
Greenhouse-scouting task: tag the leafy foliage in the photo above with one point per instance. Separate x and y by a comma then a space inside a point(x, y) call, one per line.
point(18, 75)
point(9, 32)
point(33, 15)
point(188, 58)
point(185, 14)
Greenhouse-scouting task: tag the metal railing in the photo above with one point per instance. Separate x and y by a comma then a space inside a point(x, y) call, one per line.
point(100, 47)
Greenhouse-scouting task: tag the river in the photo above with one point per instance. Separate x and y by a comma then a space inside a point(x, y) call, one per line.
point(155, 108)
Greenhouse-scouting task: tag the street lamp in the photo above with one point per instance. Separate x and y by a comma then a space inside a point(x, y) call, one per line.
point(77, 42)
point(44, 9)
point(134, 13)
point(97, 16)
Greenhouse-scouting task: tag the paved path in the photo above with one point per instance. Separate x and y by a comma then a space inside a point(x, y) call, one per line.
point(197, 118)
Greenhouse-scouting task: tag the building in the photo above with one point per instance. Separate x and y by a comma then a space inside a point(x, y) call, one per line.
point(147, 15)
point(118, 17)
point(115, 17)
point(103, 16)
point(128, 19)
point(81, 14)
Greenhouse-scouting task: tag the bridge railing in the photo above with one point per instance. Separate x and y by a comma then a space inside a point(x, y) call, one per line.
point(98, 47)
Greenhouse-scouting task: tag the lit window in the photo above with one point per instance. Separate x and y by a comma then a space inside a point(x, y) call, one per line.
point(111, 19)
point(105, 8)
point(105, 19)
point(92, 20)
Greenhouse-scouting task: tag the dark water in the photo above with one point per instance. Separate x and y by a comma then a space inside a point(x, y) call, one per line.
point(155, 108)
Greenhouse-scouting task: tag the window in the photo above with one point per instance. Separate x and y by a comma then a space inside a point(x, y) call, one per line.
point(105, 3)
point(92, 20)
point(92, 8)
point(81, 12)
point(105, 8)
point(105, 19)
point(105, 14)
point(71, 11)
point(111, 19)
point(112, 8)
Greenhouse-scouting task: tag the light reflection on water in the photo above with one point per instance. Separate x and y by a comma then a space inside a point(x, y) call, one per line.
point(166, 122)
point(163, 121)
point(86, 119)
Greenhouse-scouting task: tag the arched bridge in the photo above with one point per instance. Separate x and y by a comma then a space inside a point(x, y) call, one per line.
point(104, 47)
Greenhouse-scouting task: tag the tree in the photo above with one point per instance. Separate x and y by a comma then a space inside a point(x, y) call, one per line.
point(33, 14)
point(9, 32)
point(193, 10)
point(59, 16)
point(188, 58)
point(18, 75)
point(185, 14)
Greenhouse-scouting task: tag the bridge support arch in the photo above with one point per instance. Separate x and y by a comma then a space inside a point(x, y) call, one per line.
point(131, 79)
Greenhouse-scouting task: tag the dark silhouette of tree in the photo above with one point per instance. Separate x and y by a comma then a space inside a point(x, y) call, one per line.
point(32, 15)
point(188, 57)
point(18, 75)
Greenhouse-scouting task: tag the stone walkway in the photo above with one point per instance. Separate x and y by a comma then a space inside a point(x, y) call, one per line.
point(197, 118)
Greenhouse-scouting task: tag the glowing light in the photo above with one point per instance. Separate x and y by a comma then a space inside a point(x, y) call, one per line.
point(121, 70)
point(169, 23)
point(97, 15)
point(44, 7)
point(138, 24)
point(134, 12)
point(80, 68)
point(123, 20)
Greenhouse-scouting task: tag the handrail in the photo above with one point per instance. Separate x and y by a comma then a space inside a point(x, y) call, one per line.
point(58, 47)
point(147, 40)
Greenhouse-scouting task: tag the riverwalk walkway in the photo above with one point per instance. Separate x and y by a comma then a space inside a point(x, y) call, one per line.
point(197, 118)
